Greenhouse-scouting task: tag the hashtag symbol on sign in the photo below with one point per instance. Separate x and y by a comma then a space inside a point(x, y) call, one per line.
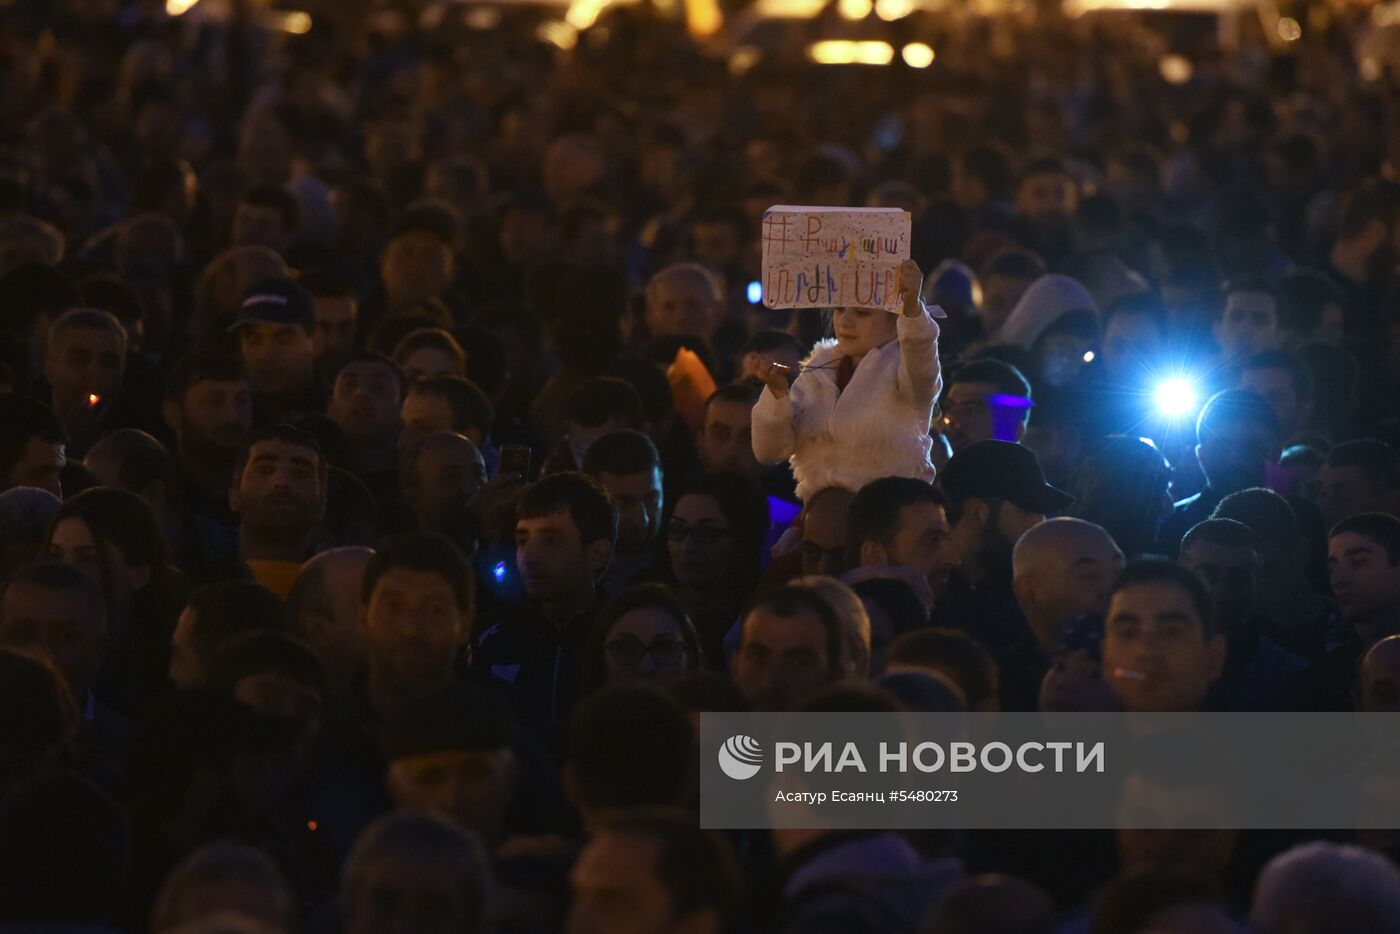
point(775, 231)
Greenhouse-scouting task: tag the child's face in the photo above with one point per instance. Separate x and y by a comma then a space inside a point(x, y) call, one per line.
point(861, 330)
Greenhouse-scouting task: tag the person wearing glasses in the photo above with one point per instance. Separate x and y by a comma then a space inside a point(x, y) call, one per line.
point(713, 537)
point(642, 634)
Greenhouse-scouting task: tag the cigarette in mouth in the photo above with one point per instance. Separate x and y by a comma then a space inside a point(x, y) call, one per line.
point(1129, 674)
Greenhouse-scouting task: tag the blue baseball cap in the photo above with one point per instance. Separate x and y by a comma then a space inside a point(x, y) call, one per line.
point(277, 300)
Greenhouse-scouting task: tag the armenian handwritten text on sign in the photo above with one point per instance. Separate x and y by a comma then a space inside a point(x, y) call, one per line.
point(833, 257)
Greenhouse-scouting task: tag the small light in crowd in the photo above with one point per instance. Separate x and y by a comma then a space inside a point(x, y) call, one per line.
point(1289, 30)
point(743, 58)
point(1088, 356)
point(1176, 69)
point(483, 19)
point(499, 571)
point(558, 34)
point(855, 9)
point(1175, 397)
point(890, 10)
point(584, 13)
point(311, 825)
point(755, 292)
point(296, 22)
point(703, 18)
point(179, 7)
point(789, 9)
point(847, 52)
point(94, 400)
point(918, 55)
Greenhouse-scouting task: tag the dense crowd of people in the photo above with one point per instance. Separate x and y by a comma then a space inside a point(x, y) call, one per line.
point(396, 457)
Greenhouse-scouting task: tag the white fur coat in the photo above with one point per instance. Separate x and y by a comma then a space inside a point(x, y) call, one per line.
point(877, 427)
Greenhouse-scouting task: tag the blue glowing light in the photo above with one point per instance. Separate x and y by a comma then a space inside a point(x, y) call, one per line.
point(755, 292)
point(499, 571)
point(1176, 397)
point(1007, 401)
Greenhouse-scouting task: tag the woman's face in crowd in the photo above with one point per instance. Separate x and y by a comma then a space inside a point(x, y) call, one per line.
point(645, 644)
point(861, 330)
point(73, 543)
point(700, 541)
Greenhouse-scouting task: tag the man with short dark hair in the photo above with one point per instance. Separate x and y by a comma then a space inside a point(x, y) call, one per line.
point(789, 648)
point(601, 406)
point(32, 445)
point(276, 320)
point(1249, 323)
point(1284, 383)
point(337, 312)
point(216, 613)
point(84, 363)
point(1161, 650)
point(1237, 434)
point(1359, 476)
point(1363, 555)
point(1046, 196)
point(446, 403)
point(901, 522)
point(985, 399)
point(419, 262)
point(726, 432)
point(438, 474)
point(627, 465)
point(209, 408)
point(365, 400)
point(653, 872)
point(565, 533)
point(1258, 674)
point(325, 606)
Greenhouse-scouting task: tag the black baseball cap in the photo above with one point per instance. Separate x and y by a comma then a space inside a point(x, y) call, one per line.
point(1001, 470)
point(277, 300)
point(431, 216)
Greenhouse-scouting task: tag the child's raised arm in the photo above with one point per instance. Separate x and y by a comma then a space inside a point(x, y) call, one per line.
point(774, 438)
point(920, 378)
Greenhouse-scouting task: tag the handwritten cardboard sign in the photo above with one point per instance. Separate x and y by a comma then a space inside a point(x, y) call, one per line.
point(833, 257)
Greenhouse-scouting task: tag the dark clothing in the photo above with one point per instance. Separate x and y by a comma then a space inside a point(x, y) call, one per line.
point(1259, 675)
point(863, 882)
point(990, 614)
point(1186, 514)
point(211, 505)
point(541, 658)
point(1327, 685)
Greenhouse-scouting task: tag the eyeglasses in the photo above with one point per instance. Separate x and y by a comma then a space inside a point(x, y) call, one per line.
point(628, 651)
point(703, 534)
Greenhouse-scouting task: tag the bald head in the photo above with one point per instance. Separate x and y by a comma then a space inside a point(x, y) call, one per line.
point(1063, 568)
point(325, 606)
point(1378, 687)
point(439, 473)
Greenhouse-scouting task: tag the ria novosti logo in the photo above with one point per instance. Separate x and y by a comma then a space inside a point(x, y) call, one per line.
point(740, 757)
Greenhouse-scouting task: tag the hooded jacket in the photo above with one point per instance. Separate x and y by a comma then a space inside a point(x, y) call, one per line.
point(878, 426)
point(1048, 299)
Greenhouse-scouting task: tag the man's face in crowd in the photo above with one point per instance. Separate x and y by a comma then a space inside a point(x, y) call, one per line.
point(413, 628)
point(1348, 491)
point(1378, 682)
point(402, 892)
point(467, 787)
point(280, 358)
point(416, 265)
point(726, 440)
point(1365, 581)
point(922, 541)
point(365, 402)
point(1231, 574)
point(581, 437)
point(1234, 457)
point(61, 625)
point(1156, 654)
point(616, 890)
point(428, 361)
point(552, 558)
point(1046, 198)
point(1277, 388)
point(38, 465)
point(969, 416)
point(83, 363)
point(213, 419)
point(682, 306)
point(260, 225)
point(445, 476)
point(638, 499)
point(1249, 325)
point(782, 660)
point(1074, 580)
point(279, 492)
point(1130, 343)
point(334, 337)
point(823, 547)
point(424, 413)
